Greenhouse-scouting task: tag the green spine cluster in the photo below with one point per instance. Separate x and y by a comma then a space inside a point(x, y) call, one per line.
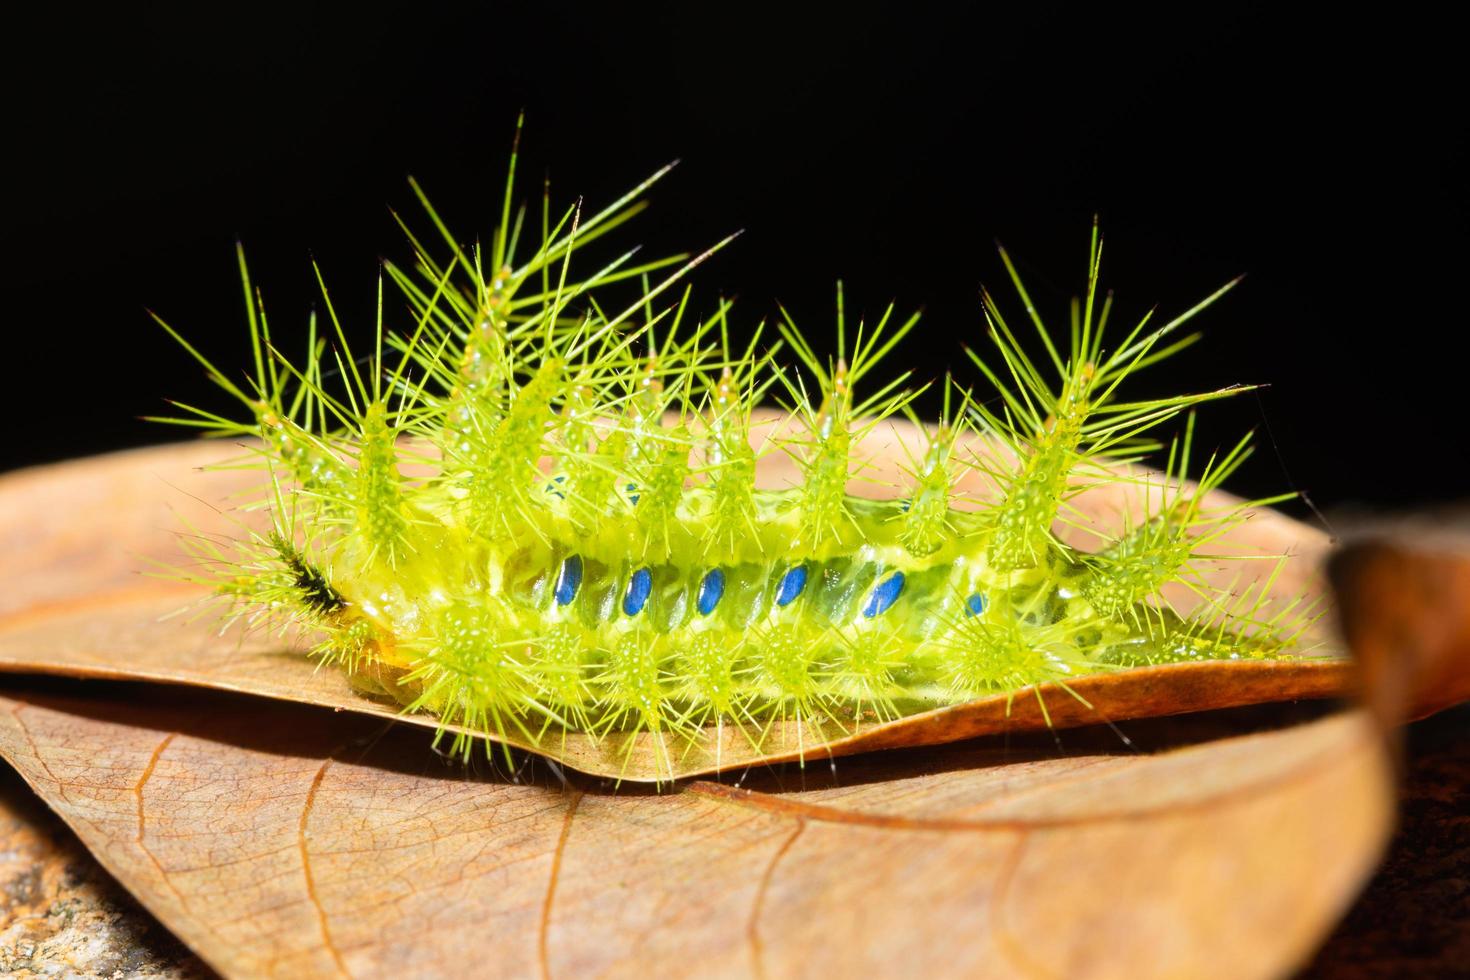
point(535, 512)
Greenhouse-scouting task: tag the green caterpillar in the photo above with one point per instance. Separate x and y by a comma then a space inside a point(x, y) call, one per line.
point(533, 514)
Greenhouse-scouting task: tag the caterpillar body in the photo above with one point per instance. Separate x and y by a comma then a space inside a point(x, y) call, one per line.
point(532, 516)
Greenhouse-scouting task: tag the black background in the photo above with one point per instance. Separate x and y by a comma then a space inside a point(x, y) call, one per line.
point(891, 146)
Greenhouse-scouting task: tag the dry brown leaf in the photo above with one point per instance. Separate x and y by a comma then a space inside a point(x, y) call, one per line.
point(280, 841)
point(73, 537)
point(1404, 591)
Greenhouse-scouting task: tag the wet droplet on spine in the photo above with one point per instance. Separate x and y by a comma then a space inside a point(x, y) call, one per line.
point(792, 584)
point(711, 591)
point(568, 580)
point(639, 586)
point(884, 595)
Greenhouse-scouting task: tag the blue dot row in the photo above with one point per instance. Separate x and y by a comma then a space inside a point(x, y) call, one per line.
point(712, 590)
point(640, 586)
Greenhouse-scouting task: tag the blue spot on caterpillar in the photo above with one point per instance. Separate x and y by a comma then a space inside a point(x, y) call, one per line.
point(792, 584)
point(633, 494)
point(884, 594)
point(711, 591)
point(639, 587)
point(569, 580)
point(976, 604)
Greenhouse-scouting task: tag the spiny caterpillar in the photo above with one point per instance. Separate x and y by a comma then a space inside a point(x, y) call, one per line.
point(534, 513)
